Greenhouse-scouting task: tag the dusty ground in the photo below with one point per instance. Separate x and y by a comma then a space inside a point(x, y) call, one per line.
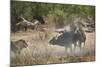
point(39, 51)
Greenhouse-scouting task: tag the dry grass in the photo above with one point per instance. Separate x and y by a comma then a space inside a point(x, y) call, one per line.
point(39, 51)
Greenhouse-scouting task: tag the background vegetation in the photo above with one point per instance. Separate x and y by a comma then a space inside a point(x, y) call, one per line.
point(51, 13)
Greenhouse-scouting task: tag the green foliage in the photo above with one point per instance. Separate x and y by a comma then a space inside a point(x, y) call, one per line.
point(63, 13)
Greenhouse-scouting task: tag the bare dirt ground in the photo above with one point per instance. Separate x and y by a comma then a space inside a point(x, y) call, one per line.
point(39, 51)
